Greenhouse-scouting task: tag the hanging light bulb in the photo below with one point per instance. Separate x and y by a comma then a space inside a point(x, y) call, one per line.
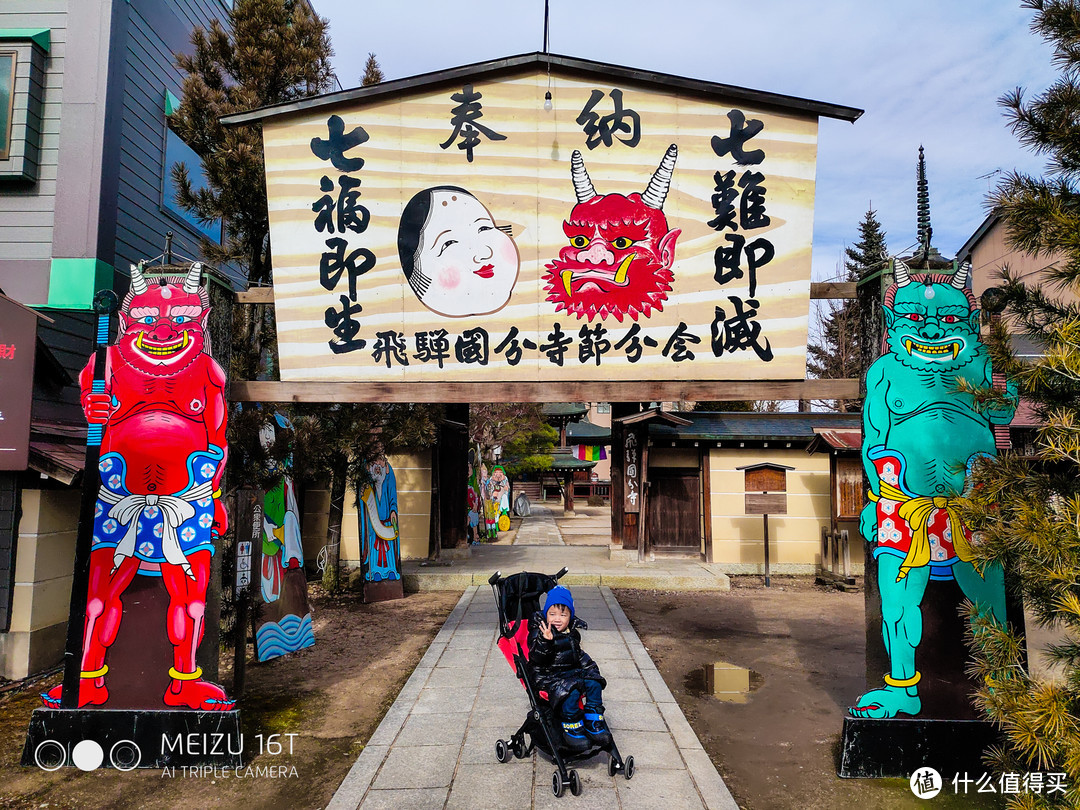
point(547, 101)
point(928, 290)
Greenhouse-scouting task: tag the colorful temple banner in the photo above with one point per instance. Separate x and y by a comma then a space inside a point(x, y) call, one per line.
point(589, 452)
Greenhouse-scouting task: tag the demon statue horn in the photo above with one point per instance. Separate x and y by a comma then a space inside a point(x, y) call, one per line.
point(194, 278)
point(158, 511)
point(583, 187)
point(138, 282)
point(959, 279)
point(903, 274)
point(660, 182)
point(619, 258)
point(920, 437)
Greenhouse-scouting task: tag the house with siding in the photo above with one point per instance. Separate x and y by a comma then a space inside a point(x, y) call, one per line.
point(86, 88)
point(988, 251)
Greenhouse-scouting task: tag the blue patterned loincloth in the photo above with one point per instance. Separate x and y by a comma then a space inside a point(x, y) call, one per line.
point(193, 534)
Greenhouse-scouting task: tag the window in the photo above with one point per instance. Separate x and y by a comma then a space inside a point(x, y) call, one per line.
point(7, 100)
point(23, 52)
point(176, 151)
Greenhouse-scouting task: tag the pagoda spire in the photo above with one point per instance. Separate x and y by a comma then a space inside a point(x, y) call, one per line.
point(923, 228)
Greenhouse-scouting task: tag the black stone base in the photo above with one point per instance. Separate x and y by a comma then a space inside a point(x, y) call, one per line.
point(130, 739)
point(878, 749)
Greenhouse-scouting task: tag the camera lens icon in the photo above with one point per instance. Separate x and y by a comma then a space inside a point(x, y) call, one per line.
point(50, 755)
point(87, 755)
point(125, 755)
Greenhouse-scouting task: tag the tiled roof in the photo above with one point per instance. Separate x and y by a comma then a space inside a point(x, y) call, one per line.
point(585, 432)
point(717, 426)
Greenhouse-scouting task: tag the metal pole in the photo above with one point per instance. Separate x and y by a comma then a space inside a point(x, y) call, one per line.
point(105, 303)
point(546, 15)
point(766, 516)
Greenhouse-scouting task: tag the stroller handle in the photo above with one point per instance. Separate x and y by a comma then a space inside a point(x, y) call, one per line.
point(494, 577)
point(562, 572)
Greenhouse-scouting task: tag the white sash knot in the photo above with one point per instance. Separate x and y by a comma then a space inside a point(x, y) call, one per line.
point(175, 511)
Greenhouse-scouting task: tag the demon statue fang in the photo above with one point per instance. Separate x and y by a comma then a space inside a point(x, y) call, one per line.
point(920, 438)
point(621, 250)
point(158, 508)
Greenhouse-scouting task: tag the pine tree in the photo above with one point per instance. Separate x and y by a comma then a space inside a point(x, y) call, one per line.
point(273, 51)
point(270, 51)
point(372, 72)
point(835, 354)
point(1027, 510)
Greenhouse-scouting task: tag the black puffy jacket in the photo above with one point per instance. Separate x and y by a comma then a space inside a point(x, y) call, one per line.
point(560, 664)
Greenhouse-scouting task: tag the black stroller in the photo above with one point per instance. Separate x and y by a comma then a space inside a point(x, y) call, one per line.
point(518, 597)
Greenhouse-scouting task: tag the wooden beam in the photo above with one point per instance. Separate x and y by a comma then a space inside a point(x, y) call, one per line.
point(256, 295)
point(598, 391)
point(833, 289)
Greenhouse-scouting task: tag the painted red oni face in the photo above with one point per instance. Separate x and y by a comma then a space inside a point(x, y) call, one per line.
point(162, 326)
point(621, 250)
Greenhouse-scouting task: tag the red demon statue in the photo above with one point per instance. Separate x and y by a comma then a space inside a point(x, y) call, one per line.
point(620, 254)
point(162, 458)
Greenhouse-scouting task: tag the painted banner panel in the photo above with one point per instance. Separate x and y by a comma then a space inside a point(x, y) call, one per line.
point(465, 233)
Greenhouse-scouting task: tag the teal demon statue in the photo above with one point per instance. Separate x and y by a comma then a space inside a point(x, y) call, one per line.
point(920, 436)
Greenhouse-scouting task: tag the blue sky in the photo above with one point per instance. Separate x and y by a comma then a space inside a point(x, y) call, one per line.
point(926, 72)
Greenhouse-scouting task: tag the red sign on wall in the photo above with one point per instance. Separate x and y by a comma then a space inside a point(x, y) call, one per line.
point(18, 336)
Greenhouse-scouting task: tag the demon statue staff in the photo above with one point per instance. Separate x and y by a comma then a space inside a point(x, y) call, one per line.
point(163, 452)
point(620, 254)
point(920, 437)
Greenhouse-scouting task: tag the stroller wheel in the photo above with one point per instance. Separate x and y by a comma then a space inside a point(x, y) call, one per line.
point(502, 753)
point(575, 783)
point(629, 765)
point(612, 767)
point(557, 786)
point(518, 747)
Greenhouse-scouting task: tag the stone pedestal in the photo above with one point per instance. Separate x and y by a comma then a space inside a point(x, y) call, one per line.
point(879, 749)
point(129, 739)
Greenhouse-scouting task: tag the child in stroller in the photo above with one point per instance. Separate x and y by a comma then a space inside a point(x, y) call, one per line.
point(558, 682)
point(566, 672)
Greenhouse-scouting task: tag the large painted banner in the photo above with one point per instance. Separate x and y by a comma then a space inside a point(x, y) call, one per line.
point(283, 624)
point(158, 516)
point(463, 232)
point(921, 435)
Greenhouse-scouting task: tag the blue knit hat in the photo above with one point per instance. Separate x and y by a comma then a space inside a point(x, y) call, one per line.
point(559, 596)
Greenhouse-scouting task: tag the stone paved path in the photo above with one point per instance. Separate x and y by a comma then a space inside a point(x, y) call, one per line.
point(539, 528)
point(436, 746)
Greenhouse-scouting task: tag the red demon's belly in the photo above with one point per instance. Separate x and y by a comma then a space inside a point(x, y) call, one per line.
point(155, 446)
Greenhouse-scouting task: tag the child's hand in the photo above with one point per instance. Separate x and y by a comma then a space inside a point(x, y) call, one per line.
point(545, 630)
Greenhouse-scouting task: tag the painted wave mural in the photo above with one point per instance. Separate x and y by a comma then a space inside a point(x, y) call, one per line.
point(292, 633)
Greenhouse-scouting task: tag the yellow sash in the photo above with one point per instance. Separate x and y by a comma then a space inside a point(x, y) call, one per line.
point(916, 513)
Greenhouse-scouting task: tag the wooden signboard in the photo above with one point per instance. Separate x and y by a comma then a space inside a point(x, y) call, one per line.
point(631, 473)
point(766, 503)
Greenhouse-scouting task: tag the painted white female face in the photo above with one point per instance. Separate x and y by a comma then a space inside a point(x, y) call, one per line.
point(472, 265)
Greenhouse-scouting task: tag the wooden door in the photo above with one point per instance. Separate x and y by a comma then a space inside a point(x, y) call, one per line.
point(674, 510)
point(453, 451)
